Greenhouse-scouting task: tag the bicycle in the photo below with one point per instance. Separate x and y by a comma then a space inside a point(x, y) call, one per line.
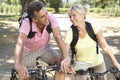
point(39, 72)
point(97, 76)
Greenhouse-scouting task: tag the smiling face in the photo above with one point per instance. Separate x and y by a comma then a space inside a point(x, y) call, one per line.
point(75, 17)
point(41, 17)
point(77, 14)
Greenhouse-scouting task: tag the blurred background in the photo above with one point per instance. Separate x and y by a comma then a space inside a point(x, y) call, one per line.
point(109, 7)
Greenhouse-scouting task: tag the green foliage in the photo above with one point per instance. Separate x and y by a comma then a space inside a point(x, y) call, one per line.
point(96, 10)
point(9, 16)
point(63, 10)
point(109, 11)
point(66, 5)
point(50, 10)
point(113, 11)
point(9, 8)
point(107, 7)
point(55, 4)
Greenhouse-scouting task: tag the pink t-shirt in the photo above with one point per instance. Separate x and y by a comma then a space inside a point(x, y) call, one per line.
point(40, 40)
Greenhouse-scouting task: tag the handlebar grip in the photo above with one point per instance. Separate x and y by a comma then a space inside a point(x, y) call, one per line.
point(114, 70)
point(56, 66)
point(32, 71)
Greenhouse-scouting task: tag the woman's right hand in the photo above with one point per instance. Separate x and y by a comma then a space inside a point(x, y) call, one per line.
point(22, 71)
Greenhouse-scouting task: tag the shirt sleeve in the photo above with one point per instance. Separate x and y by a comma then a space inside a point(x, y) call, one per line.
point(53, 20)
point(25, 27)
point(68, 36)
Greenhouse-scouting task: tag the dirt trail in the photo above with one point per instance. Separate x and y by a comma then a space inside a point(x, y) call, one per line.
point(8, 36)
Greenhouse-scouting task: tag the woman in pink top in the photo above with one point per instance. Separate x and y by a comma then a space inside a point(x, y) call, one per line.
point(29, 48)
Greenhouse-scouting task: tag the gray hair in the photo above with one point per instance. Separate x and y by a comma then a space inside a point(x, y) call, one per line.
point(79, 8)
point(34, 6)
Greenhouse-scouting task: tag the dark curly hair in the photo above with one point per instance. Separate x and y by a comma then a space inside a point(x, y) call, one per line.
point(34, 6)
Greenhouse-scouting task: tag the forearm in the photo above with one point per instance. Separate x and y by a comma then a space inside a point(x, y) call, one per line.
point(60, 42)
point(108, 51)
point(18, 53)
point(62, 47)
point(19, 47)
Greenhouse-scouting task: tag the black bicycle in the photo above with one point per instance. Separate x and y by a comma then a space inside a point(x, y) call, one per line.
point(40, 72)
point(97, 76)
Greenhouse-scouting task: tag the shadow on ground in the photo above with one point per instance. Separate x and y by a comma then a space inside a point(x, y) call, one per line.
point(114, 41)
point(8, 36)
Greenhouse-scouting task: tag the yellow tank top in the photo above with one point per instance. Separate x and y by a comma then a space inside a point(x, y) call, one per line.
point(85, 48)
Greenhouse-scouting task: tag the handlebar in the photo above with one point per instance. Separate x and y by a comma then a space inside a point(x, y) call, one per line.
point(90, 72)
point(112, 70)
point(40, 68)
point(55, 66)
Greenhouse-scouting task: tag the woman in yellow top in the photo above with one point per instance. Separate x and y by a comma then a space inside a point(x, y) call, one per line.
point(86, 47)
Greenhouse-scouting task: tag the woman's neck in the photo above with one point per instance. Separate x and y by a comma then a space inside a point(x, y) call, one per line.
point(82, 30)
point(81, 27)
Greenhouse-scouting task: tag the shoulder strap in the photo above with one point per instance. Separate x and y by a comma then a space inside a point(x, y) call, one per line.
point(91, 33)
point(31, 34)
point(49, 29)
point(74, 41)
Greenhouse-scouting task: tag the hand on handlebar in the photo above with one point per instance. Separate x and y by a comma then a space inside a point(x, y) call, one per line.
point(65, 65)
point(22, 71)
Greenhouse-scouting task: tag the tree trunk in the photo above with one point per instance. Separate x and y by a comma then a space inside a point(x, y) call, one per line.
point(24, 4)
point(56, 10)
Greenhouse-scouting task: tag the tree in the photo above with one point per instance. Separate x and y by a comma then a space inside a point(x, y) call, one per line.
point(24, 4)
point(44, 1)
point(55, 4)
point(118, 2)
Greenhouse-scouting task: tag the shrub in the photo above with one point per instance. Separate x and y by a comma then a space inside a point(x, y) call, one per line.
point(110, 11)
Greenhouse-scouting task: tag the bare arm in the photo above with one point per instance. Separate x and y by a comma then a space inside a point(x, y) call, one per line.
point(19, 47)
point(66, 58)
point(106, 48)
point(60, 42)
point(18, 54)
